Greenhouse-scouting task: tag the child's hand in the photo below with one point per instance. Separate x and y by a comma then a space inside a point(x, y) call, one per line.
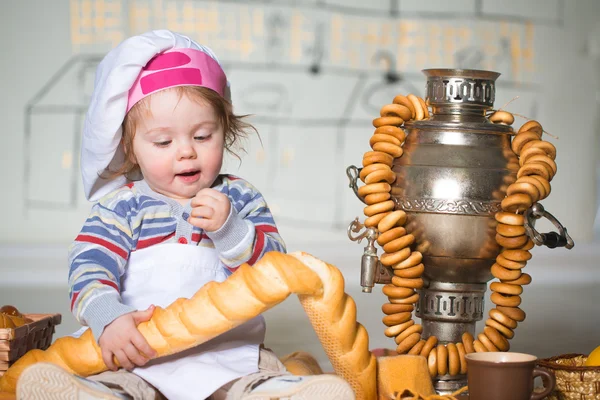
point(123, 340)
point(210, 210)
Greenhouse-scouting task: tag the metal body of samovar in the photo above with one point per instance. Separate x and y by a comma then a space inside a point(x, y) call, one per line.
point(450, 181)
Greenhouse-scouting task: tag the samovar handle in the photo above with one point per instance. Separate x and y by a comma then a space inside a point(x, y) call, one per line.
point(550, 239)
point(353, 174)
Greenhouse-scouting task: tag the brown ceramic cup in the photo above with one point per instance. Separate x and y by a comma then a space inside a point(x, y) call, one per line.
point(505, 376)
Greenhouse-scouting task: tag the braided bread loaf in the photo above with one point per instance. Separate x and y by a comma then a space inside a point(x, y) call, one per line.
point(345, 341)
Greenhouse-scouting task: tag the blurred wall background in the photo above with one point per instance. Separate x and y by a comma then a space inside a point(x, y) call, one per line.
point(313, 73)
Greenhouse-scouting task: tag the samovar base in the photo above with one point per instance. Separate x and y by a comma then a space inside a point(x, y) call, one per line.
point(447, 310)
point(447, 331)
point(447, 384)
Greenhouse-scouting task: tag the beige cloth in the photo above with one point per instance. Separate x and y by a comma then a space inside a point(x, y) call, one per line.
point(406, 377)
point(397, 374)
point(123, 381)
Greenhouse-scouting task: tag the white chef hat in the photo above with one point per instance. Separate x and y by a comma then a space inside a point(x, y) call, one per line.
point(125, 76)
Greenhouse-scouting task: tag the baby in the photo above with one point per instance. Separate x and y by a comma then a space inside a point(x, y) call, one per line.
point(165, 223)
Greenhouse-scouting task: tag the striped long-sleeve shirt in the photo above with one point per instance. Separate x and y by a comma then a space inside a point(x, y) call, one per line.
point(135, 217)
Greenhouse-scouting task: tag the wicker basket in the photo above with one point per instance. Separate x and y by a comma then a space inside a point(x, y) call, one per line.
point(573, 380)
point(15, 342)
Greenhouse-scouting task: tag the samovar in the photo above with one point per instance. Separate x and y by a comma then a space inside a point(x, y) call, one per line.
point(450, 181)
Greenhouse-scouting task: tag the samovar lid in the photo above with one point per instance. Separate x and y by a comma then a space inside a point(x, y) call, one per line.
point(461, 73)
point(460, 98)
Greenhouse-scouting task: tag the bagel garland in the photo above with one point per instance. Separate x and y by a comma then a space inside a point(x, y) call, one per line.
point(535, 166)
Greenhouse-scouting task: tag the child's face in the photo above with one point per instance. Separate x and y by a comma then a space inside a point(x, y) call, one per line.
point(179, 145)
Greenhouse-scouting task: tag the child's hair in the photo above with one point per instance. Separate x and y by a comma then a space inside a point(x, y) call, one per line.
point(234, 127)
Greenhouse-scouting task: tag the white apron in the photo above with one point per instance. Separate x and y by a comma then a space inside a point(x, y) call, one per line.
point(161, 274)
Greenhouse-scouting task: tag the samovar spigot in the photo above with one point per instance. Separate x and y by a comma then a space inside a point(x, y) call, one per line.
point(369, 264)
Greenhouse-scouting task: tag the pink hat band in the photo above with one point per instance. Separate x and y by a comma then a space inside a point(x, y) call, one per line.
point(177, 67)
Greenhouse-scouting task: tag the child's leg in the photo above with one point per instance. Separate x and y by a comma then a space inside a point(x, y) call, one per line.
point(268, 364)
point(129, 383)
